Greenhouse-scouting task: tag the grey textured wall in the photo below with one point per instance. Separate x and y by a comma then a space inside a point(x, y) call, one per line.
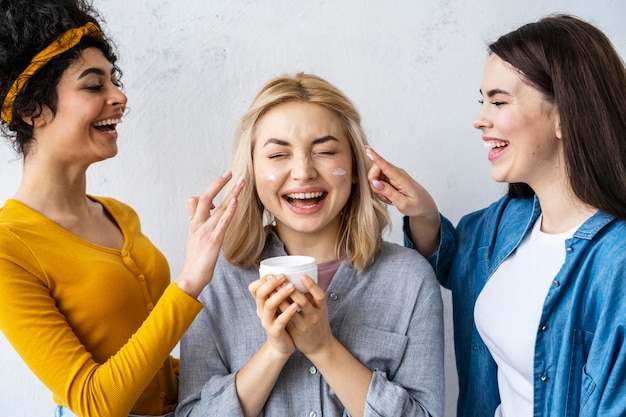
point(413, 68)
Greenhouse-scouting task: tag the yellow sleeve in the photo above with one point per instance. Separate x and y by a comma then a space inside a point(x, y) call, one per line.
point(42, 336)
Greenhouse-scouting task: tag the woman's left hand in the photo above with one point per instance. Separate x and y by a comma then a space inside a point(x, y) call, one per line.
point(309, 328)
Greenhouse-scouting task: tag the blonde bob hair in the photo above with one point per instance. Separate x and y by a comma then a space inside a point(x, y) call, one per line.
point(364, 217)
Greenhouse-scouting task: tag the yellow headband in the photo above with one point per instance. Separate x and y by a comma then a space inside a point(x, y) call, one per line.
point(68, 40)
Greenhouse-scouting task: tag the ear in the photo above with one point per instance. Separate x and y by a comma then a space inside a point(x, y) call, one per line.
point(39, 117)
point(557, 127)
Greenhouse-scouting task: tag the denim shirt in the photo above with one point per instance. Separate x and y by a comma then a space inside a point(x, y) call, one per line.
point(580, 348)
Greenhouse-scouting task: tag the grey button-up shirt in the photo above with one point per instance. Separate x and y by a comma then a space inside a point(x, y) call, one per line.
point(389, 317)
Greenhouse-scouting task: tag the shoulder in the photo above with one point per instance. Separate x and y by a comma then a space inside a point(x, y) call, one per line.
point(498, 208)
point(606, 235)
point(14, 213)
point(19, 223)
point(395, 260)
point(396, 264)
point(229, 278)
point(490, 220)
point(394, 253)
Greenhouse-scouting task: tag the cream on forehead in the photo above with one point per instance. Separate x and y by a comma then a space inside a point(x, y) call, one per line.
point(339, 172)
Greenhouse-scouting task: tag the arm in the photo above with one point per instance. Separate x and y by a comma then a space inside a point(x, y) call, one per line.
point(222, 375)
point(41, 334)
point(394, 186)
point(49, 293)
point(257, 378)
point(414, 386)
point(311, 333)
point(393, 365)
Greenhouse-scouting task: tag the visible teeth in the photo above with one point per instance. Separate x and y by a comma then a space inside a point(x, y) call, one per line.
point(495, 144)
point(108, 122)
point(305, 196)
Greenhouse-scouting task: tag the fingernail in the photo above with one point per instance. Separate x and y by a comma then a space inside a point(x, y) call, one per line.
point(227, 174)
point(240, 181)
point(369, 155)
point(378, 185)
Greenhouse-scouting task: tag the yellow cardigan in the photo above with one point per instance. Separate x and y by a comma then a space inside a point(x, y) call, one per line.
point(96, 325)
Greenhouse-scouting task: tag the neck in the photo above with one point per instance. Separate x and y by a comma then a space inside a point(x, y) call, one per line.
point(320, 245)
point(561, 209)
point(53, 189)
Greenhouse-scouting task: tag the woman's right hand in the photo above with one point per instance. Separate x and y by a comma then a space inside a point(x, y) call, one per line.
point(275, 309)
point(256, 379)
point(206, 234)
point(395, 186)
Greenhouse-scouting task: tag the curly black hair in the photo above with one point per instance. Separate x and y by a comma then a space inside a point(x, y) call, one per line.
point(26, 28)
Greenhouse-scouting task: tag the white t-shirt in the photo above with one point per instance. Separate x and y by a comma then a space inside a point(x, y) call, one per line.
point(508, 310)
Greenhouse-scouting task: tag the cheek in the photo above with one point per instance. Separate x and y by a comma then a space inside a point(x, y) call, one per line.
point(342, 174)
point(339, 172)
point(512, 124)
point(268, 177)
point(266, 182)
point(264, 173)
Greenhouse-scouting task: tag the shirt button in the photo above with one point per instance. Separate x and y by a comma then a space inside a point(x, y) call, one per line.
point(556, 283)
point(544, 378)
point(141, 278)
point(150, 306)
point(312, 414)
point(570, 249)
point(333, 296)
point(312, 370)
point(544, 328)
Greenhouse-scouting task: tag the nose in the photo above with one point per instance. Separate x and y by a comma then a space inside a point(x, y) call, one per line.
point(118, 98)
point(302, 168)
point(481, 120)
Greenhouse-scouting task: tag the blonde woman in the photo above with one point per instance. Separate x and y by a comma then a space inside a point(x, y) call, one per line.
point(367, 339)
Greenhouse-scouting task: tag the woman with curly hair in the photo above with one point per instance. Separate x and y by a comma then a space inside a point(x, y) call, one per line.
point(86, 298)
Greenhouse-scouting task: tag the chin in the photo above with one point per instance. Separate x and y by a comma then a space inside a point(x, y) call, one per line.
point(499, 176)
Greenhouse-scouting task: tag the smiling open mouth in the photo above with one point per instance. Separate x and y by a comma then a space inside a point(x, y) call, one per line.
point(108, 125)
point(305, 200)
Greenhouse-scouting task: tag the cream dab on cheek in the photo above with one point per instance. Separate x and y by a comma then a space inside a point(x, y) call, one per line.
point(269, 177)
point(339, 172)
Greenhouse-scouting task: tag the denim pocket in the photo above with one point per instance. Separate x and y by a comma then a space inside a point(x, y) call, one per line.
point(580, 384)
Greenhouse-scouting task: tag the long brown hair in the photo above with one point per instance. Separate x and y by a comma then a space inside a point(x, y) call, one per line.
point(575, 66)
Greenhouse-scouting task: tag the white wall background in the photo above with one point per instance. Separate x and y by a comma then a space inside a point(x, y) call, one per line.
point(413, 68)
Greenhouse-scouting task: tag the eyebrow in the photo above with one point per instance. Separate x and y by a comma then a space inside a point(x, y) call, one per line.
point(96, 71)
point(495, 91)
point(324, 139)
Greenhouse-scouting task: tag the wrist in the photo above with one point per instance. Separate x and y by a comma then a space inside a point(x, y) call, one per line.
point(273, 354)
point(188, 287)
point(325, 352)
